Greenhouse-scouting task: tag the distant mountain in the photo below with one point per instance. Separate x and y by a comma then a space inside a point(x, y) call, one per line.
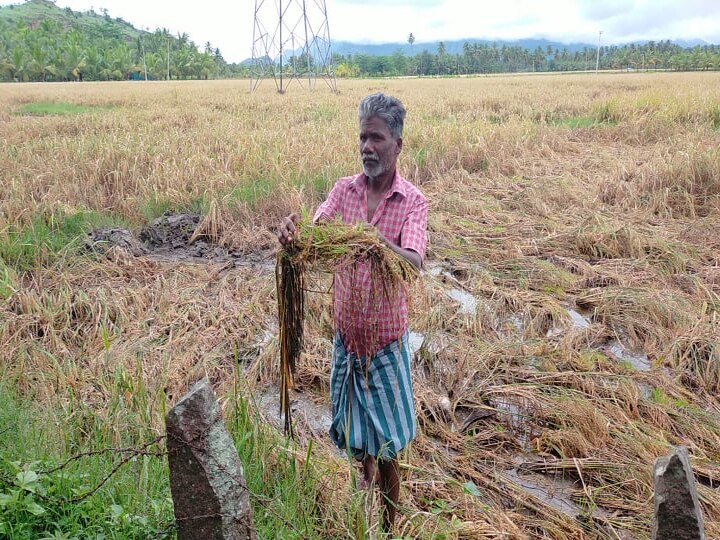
point(689, 43)
point(451, 46)
point(456, 46)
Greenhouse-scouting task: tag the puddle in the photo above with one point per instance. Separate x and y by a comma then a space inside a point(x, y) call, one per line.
point(556, 492)
point(517, 323)
point(638, 360)
point(514, 417)
point(577, 320)
point(434, 344)
point(306, 412)
point(170, 238)
point(415, 341)
point(468, 303)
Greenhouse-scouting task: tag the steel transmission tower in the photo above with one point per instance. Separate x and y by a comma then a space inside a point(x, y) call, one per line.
point(291, 42)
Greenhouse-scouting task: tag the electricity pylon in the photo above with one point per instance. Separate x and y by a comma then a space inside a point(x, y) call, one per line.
point(291, 42)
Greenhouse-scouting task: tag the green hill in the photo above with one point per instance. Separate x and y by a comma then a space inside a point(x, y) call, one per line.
point(89, 23)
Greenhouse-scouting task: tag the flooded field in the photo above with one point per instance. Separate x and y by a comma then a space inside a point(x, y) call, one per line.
point(565, 331)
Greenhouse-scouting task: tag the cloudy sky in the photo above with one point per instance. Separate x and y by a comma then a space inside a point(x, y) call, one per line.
point(229, 24)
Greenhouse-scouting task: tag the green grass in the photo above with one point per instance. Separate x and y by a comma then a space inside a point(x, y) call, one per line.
point(576, 122)
point(54, 108)
point(7, 281)
point(34, 504)
point(47, 236)
point(252, 191)
point(607, 113)
point(284, 493)
point(136, 501)
point(715, 116)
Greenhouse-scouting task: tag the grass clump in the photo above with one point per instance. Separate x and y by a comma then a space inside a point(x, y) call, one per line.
point(45, 236)
point(714, 114)
point(607, 112)
point(576, 122)
point(36, 493)
point(697, 356)
point(53, 108)
point(250, 192)
point(288, 489)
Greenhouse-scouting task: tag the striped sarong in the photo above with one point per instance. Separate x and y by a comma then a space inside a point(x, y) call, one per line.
point(372, 403)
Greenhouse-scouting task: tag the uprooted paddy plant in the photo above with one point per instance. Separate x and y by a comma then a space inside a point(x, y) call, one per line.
point(331, 247)
point(566, 329)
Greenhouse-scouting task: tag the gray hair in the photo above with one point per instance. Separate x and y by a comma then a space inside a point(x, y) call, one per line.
point(387, 108)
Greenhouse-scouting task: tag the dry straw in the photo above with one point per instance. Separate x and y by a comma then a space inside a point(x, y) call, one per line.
point(330, 247)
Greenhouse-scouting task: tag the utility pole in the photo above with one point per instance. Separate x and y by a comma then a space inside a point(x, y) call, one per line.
point(597, 60)
point(300, 26)
point(168, 59)
point(142, 45)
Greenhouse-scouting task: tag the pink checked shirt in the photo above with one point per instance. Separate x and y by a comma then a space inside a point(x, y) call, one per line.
point(402, 218)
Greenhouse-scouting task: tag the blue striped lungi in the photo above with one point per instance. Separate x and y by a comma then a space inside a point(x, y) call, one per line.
point(373, 409)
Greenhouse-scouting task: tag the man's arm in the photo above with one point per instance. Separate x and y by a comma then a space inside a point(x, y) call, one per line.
point(412, 256)
point(413, 237)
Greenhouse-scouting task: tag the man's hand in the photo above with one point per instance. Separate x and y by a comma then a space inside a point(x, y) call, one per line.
point(287, 229)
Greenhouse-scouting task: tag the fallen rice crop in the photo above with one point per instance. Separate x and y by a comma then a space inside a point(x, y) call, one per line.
point(590, 249)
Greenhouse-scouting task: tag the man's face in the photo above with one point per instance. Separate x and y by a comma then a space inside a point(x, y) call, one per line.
point(378, 149)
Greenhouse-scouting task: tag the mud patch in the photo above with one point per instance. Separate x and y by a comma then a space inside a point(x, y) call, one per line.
point(170, 231)
point(101, 240)
point(172, 238)
point(308, 415)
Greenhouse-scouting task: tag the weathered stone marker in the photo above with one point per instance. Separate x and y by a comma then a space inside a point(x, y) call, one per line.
point(678, 515)
point(206, 477)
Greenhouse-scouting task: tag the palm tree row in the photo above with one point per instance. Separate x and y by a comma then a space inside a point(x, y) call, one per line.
point(491, 58)
point(49, 52)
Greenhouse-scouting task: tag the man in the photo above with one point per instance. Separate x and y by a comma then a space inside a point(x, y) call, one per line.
point(370, 382)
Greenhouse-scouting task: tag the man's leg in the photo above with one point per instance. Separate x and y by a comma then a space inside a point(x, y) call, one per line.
point(390, 489)
point(369, 472)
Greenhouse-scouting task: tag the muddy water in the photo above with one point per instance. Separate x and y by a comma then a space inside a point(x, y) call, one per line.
point(576, 319)
point(638, 359)
point(556, 492)
point(308, 414)
point(579, 321)
point(468, 302)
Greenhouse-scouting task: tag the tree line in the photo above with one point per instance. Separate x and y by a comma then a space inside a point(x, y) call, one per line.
point(49, 52)
point(482, 58)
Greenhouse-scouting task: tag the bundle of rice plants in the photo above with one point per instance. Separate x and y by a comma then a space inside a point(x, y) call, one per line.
point(331, 247)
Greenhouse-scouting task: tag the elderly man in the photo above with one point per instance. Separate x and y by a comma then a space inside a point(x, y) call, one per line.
point(370, 382)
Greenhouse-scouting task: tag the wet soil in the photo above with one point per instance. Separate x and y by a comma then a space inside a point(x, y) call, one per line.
point(169, 238)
